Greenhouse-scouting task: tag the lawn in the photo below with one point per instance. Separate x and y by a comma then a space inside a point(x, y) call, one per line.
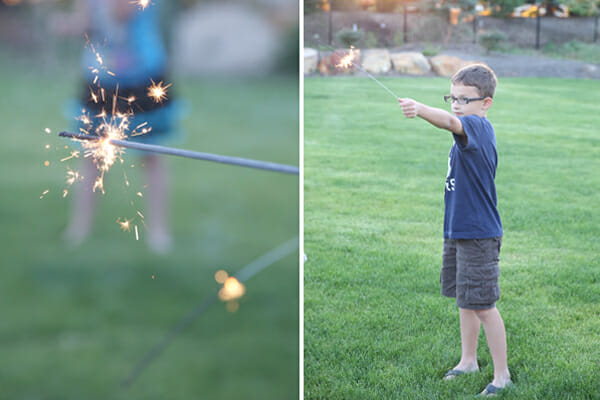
point(375, 325)
point(75, 321)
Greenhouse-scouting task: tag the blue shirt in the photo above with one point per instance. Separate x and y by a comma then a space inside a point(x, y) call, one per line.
point(470, 199)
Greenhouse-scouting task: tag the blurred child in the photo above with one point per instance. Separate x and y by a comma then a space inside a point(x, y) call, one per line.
point(472, 225)
point(132, 56)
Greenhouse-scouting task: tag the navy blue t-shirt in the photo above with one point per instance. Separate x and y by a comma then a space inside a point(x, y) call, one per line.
point(470, 199)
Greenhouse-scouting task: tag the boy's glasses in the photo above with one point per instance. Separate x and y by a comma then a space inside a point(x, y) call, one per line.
point(461, 100)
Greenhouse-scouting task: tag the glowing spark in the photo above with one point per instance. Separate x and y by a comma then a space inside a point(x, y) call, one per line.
point(347, 60)
point(140, 194)
point(47, 146)
point(48, 130)
point(157, 91)
point(46, 163)
point(221, 276)
point(65, 193)
point(152, 276)
point(110, 73)
point(232, 289)
point(142, 3)
point(74, 154)
point(45, 192)
point(141, 215)
point(125, 224)
point(99, 184)
point(137, 236)
point(72, 177)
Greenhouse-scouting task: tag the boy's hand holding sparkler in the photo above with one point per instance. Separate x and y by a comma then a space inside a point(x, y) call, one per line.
point(435, 116)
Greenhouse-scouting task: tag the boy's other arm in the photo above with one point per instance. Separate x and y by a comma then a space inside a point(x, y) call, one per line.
point(435, 116)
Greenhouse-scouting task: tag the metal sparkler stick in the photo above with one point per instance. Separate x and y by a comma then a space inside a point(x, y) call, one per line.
point(244, 162)
point(366, 72)
point(243, 275)
point(375, 79)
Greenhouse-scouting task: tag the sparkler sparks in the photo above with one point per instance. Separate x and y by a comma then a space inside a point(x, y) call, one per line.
point(124, 224)
point(158, 91)
point(142, 3)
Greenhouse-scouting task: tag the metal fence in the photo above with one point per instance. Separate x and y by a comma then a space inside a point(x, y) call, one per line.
point(391, 30)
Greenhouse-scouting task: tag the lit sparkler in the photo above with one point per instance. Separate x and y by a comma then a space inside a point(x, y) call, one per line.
point(347, 61)
point(244, 162)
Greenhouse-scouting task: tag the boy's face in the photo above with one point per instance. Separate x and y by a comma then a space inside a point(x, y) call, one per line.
point(475, 107)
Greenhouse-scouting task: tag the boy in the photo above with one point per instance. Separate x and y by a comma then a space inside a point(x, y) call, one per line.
point(472, 225)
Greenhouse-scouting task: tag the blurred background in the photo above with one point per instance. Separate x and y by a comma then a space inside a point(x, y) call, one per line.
point(76, 319)
point(514, 37)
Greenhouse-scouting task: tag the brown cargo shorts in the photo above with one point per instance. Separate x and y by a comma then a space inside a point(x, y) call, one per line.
point(470, 272)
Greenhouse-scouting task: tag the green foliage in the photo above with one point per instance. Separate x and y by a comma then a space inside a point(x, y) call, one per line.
point(430, 50)
point(311, 6)
point(370, 40)
point(504, 8)
point(587, 52)
point(344, 5)
point(398, 38)
point(349, 37)
point(375, 324)
point(491, 40)
point(582, 8)
point(386, 6)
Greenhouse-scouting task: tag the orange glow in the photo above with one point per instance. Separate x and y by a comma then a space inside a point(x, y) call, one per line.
point(221, 276)
point(232, 289)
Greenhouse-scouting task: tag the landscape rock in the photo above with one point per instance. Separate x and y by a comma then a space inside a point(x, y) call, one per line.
point(410, 63)
point(377, 61)
point(311, 61)
point(445, 65)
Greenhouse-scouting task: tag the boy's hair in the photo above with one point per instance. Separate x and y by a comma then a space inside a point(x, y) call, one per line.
point(478, 75)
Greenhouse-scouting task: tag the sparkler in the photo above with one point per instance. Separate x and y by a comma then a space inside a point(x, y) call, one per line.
point(347, 60)
point(244, 162)
point(243, 275)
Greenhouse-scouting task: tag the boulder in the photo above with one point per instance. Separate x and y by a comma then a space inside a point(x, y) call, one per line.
point(311, 61)
point(410, 63)
point(377, 61)
point(444, 65)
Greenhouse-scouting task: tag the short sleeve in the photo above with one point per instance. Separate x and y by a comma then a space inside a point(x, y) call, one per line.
point(475, 128)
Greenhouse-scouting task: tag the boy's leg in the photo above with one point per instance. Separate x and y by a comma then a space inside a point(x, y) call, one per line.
point(469, 335)
point(159, 235)
point(81, 214)
point(496, 337)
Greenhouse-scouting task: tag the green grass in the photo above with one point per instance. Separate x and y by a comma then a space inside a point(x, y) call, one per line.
point(76, 321)
point(375, 324)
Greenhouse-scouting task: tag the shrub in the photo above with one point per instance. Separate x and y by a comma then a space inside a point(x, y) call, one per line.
point(344, 5)
point(492, 40)
point(349, 37)
point(398, 38)
point(386, 6)
point(430, 50)
point(370, 40)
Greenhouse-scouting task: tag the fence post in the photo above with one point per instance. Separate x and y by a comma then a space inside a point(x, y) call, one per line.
point(474, 28)
point(537, 29)
point(405, 24)
point(329, 32)
point(596, 29)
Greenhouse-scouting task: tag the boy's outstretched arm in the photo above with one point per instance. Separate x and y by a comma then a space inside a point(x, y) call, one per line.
point(435, 116)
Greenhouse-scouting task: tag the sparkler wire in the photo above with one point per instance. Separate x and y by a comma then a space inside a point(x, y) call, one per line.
point(243, 275)
point(243, 162)
point(366, 72)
